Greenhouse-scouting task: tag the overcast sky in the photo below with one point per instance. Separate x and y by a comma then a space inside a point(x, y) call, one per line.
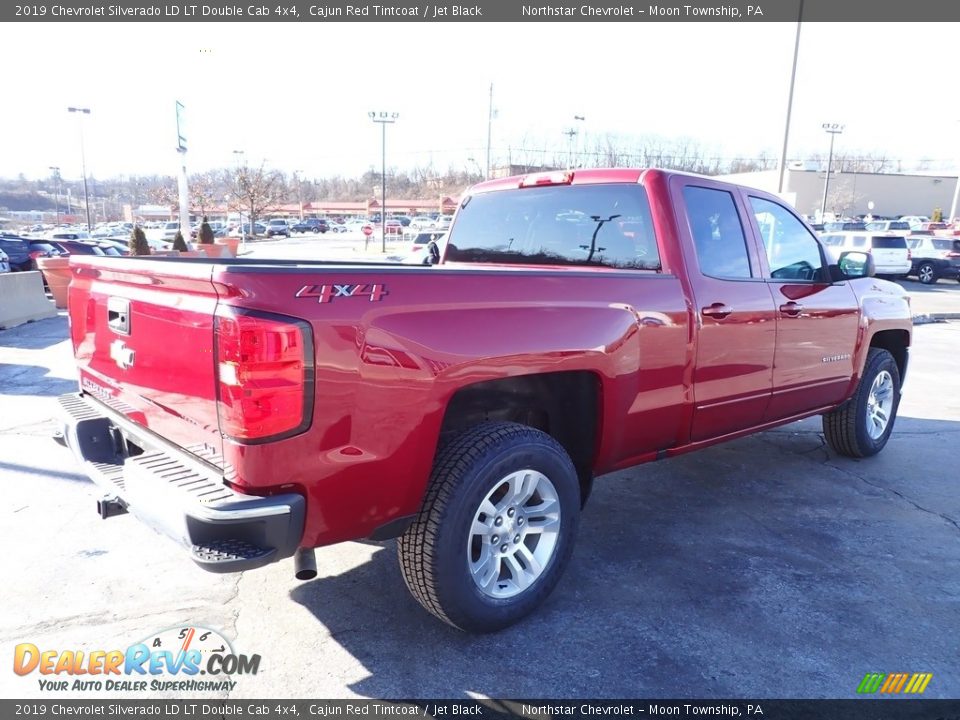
point(297, 95)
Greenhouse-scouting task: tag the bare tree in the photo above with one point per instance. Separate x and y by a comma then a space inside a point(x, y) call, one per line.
point(205, 189)
point(258, 191)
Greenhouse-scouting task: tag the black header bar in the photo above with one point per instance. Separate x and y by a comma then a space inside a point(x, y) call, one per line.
point(852, 11)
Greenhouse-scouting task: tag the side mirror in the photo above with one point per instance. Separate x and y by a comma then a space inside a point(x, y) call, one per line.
point(432, 255)
point(853, 264)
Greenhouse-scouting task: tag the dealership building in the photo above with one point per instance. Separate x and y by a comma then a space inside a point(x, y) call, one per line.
point(856, 193)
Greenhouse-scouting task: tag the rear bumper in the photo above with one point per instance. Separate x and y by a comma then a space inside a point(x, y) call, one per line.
point(178, 494)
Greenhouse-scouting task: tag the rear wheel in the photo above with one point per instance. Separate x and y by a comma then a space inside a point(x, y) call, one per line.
point(926, 273)
point(496, 529)
point(862, 425)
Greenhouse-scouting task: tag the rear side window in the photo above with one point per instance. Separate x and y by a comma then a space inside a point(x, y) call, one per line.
point(859, 241)
point(717, 233)
point(947, 245)
point(888, 243)
point(590, 225)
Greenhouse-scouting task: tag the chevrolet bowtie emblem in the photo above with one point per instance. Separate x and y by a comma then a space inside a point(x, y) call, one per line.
point(121, 354)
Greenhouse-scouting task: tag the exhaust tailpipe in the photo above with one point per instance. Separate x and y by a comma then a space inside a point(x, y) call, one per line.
point(305, 564)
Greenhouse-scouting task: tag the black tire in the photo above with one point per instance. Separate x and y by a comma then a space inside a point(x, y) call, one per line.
point(927, 273)
point(316, 230)
point(433, 552)
point(845, 428)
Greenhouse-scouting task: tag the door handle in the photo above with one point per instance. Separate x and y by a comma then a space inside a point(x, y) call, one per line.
point(717, 310)
point(791, 308)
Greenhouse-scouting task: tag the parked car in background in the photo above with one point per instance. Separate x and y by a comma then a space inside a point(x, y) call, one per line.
point(18, 252)
point(933, 258)
point(258, 229)
point(914, 220)
point(336, 227)
point(426, 248)
point(890, 253)
point(843, 226)
point(4, 262)
point(404, 220)
point(77, 247)
point(421, 222)
point(42, 248)
point(311, 225)
point(443, 222)
point(355, 226)
point(898, 227)
point(277, 226)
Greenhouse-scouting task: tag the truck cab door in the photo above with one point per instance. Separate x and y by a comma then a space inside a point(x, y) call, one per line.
point(817, 320)
point(734, 312)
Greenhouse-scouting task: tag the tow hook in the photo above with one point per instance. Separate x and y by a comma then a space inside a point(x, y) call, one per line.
point(110, 505)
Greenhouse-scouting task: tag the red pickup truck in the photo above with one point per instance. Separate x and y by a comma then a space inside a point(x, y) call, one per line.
point(574, 323)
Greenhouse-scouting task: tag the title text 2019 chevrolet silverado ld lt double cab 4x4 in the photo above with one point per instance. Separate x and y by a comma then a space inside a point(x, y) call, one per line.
point(573, 324)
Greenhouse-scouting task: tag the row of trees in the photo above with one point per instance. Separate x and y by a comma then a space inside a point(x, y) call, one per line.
point(256, 190)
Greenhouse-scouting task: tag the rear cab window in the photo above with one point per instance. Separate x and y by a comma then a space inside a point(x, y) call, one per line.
point(606, 225)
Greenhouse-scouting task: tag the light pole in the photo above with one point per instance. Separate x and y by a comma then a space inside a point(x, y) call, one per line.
point(296, 176)
point(956, 196)
point(571, 134)
point(793, 77)
point(384, 118)
point(834, 129)
point(238, 154)
point(490, 114)
point(582, 135)
point(56, 176)
point(83, 164)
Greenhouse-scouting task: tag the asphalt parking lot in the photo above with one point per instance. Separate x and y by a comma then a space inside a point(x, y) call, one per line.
point(766, 567)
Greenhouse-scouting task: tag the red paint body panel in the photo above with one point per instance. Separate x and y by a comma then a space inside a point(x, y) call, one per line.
point(670, 378)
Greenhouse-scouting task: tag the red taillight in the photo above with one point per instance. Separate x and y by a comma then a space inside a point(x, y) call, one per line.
point(264, 376)
point(953, 254)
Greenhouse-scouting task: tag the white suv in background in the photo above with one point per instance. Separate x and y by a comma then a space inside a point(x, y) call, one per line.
point(4, 262)
point(891, 256)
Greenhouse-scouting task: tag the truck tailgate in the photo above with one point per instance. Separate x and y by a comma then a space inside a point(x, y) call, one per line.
point(143, 337)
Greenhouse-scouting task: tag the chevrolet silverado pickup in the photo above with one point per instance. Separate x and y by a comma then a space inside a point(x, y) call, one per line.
point(573, 324)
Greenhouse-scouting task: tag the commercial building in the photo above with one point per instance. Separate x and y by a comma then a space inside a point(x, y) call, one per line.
point(856, 193)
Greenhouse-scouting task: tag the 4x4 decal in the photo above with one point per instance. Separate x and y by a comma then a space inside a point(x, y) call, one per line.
point(327, 293)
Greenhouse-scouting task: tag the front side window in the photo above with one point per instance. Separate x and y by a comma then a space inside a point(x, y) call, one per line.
point(591, 225)
point(792, 252)
point(717, 233)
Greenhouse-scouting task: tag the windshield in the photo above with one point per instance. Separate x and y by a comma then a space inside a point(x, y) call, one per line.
point(607, 225)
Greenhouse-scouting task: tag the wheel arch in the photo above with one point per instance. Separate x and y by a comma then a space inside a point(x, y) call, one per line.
point(897, 343)
point(566, 405)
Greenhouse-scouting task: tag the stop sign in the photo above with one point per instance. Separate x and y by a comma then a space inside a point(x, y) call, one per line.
point(367, 230)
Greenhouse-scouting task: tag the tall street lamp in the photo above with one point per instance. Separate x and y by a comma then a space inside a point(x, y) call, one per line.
point(834, 129)
point(384, 118)
point(56, 177)
point(83, 163)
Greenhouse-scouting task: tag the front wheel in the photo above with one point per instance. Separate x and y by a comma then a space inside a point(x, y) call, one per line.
point(862, 425)
point(496, 529)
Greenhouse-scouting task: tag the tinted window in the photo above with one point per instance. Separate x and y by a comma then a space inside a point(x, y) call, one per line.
point(832, 240)
point(888, 243)
point(792, 252)
point(914, 244)
point(608, 225)
point(717, 233)
point(859, 241)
